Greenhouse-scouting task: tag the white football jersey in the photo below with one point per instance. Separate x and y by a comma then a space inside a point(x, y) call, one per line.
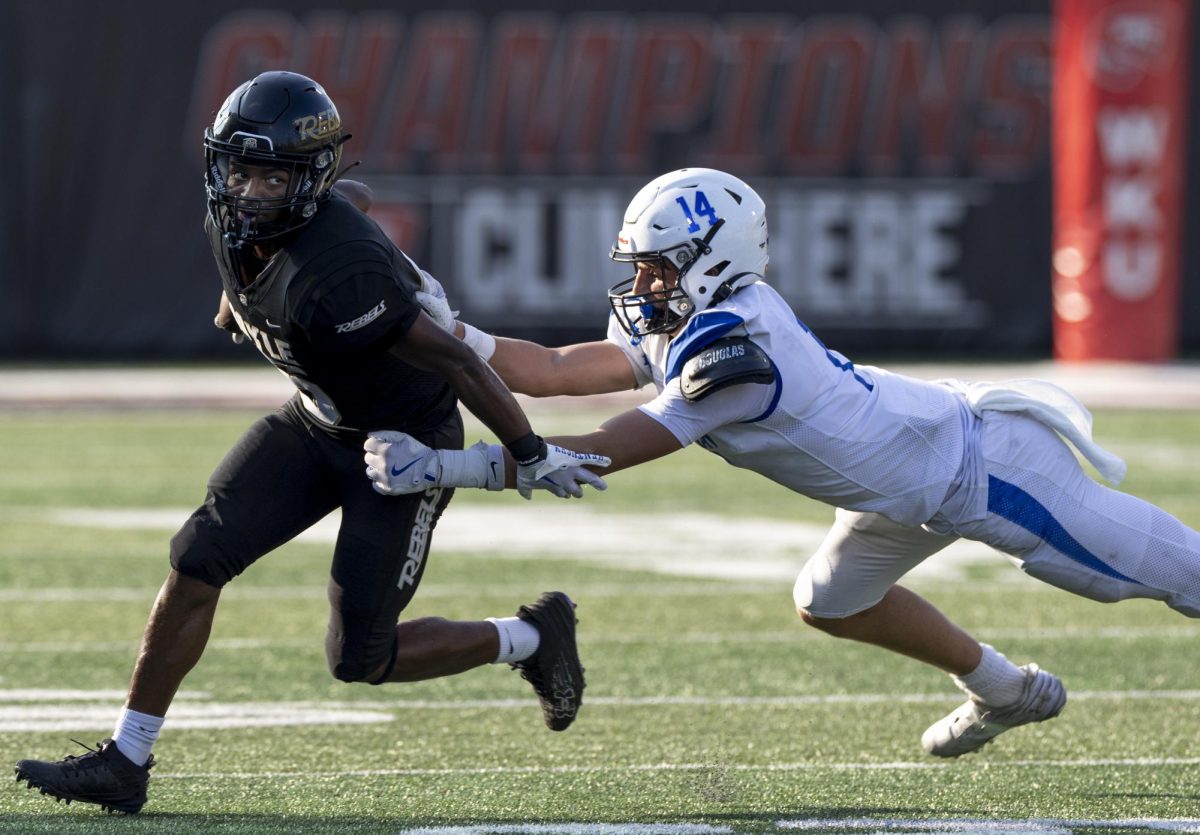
point(852, 436)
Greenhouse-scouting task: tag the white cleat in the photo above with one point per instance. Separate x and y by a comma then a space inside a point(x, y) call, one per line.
point(974, 724)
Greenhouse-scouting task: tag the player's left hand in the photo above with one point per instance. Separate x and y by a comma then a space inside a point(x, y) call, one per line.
point(225, 321)
point(398, 464)
point(360, 194)
point(563, 472)
point(432, 298)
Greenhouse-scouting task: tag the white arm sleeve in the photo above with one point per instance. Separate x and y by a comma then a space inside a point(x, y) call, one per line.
point(688, 421)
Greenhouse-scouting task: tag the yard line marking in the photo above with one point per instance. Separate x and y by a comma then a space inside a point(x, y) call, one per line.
point(1124, 632)
point(117, 595)
point(798, 635)
point(737, 701)
point(704, 541)
point(1030, 826)
point(27, 711)
point(132, 644)
point(801, 633)
point(1136, 762)
point(959, 826)
point(184, 715)
point(47, 695)
point(318, 592)
point(572, 829)
point(42, 695)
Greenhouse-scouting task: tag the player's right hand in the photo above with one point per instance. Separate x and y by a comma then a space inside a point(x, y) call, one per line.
point(563, 472)
point(398, 464)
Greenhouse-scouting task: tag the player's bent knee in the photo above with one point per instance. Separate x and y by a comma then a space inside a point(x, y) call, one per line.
point(830, 626)
point(351, 671)
point(354, 665)
point(348, 672)
point(196, 566)
point(819, 605)
point(825, 599)
point(812, 595)
point(194, 554)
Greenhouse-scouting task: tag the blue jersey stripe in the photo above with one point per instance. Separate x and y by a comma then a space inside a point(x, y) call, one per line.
point(775, 399)
point(1012, 503)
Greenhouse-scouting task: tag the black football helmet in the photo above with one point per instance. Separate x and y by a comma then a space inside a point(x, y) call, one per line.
point(278, 120)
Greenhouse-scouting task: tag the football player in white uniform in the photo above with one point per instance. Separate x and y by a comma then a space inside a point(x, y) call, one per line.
point(909, 465)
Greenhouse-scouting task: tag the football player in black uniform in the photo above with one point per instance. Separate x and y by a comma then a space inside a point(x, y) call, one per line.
point(331, 302)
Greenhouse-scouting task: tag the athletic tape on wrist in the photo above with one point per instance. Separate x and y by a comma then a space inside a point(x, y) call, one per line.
point(481, 465)
point(483, 344)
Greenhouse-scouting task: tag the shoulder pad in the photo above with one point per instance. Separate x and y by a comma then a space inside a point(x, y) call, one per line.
point(726, 362)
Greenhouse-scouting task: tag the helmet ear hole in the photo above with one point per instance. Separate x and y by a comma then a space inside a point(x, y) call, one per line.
point(718, 269)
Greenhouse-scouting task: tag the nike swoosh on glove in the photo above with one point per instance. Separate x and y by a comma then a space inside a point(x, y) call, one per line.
point(398, 464)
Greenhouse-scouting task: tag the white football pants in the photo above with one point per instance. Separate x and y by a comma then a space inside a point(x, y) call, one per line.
point(1043, 511)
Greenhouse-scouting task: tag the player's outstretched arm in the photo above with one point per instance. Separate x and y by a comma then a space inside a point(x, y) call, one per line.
point(527, 367)
point(398, 464)
point(629, 439)
point(427, 345)
point(580, 369)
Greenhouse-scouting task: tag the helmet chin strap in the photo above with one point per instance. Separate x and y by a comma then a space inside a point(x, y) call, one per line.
point(702, 244)
point(726, 289)
point(703, 247)
point(235, 241)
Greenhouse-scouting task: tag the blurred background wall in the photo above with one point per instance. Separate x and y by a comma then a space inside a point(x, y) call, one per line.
point(903, 149)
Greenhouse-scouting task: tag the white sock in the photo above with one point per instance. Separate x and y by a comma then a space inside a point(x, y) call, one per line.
point(996, 681)
point(518, 639)
point(136, 733)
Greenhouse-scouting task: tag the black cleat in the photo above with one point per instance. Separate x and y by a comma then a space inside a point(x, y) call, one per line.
point(554, 670)
point(104, 776)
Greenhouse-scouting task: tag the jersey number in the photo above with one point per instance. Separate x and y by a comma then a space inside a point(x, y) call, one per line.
point(316, 400)
point(838, 360)
point(701, 207)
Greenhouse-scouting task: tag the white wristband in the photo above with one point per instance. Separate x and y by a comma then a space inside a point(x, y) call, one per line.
point(481, 465)
point(481, 343)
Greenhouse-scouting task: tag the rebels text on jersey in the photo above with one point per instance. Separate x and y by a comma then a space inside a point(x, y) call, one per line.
point(326, 308)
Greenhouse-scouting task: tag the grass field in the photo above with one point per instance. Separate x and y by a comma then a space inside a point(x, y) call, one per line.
point(709, 708)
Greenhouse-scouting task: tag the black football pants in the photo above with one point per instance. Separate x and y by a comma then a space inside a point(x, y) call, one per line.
point(283, 476)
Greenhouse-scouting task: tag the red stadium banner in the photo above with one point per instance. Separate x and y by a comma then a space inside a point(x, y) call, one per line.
point(1120, 105)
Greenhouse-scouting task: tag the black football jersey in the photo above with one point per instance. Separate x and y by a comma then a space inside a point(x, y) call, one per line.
point(326, 308)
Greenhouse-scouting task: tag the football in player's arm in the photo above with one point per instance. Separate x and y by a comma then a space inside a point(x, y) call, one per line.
point(909, 465)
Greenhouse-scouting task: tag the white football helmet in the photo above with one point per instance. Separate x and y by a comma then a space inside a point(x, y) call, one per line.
point(708, 225)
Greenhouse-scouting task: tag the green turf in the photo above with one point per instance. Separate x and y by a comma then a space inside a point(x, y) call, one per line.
point(770, 722)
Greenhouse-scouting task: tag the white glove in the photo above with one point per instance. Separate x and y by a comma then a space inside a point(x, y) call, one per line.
point(398, 464)
point(563, 472)
point(432, 298)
